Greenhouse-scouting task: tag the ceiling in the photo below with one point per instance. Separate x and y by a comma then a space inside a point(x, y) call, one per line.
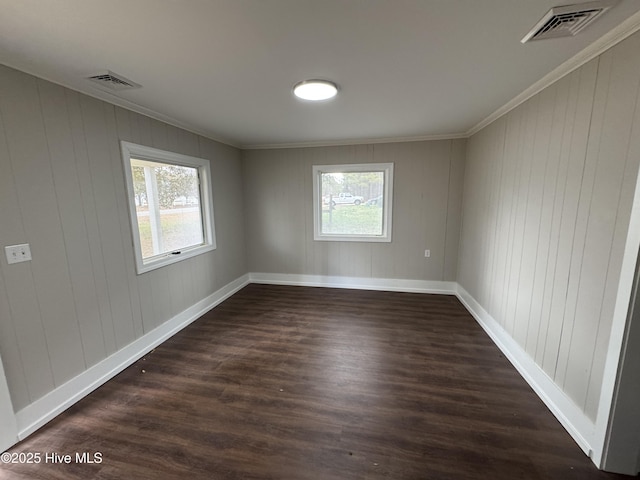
point(407, 69)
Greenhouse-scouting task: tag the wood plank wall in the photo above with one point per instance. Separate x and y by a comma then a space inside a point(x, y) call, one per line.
point(547, 201)
point(547, 188)
point(428, 179)
point(62, 191)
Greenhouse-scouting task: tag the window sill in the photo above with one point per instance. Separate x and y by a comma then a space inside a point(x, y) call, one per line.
point(169, 258)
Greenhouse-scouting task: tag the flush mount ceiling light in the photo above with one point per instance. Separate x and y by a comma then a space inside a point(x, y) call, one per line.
point(315, 90)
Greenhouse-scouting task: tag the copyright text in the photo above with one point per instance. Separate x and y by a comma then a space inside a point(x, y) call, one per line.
point(51, 457)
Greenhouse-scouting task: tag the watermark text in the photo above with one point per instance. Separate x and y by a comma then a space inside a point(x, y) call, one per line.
point(51, 457)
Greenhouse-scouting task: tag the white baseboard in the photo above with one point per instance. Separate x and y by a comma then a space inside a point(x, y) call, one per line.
point(8, 424)
point(577, 424)
point(44, 409)
point(360, 283)
point(38, 413)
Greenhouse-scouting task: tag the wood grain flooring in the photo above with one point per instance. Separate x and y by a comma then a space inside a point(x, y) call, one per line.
point(311, 383)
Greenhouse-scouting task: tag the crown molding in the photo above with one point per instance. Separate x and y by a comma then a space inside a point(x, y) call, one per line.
point(134, 107)
point(630, 26)
point(106, 96)
point(355, 141)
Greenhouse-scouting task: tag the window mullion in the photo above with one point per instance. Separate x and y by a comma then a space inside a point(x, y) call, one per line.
point(177, 222)
point(153, 203)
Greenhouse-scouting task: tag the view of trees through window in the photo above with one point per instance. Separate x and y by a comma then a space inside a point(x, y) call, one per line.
point(167, 199)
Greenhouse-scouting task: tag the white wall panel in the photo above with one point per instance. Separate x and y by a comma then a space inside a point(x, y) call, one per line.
point(454, 207)
point(71, 210)
point(88, 200)
point(62, 191)
point(126, 239)
point(547, 201)
point(552, 196)
point(427, 205)
point(613, 192)
point(228, 203)
point(12, 232)
point(16, 379)
point(27, 283)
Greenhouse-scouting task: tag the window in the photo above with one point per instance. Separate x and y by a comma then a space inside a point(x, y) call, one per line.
point(170, 205)
point(353, 202)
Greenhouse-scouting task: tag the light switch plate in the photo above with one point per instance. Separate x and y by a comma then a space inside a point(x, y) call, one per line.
point(18, 253)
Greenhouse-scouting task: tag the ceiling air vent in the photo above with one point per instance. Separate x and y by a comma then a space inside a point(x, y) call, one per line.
point(113, 81)
point(568, 20)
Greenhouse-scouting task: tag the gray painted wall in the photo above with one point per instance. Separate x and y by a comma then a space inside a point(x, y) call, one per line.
point(547, 201)
point(548, 190)
point(428, 179)
point(62, 191)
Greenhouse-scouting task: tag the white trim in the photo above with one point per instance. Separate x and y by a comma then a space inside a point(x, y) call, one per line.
point(35, 415)
point(8, 424)
point(91, 90)
point(43, 410)
point(604, 43)
point(133, 151)
point(572, 418)
point(356, 141)
point(613, 37)
point(359, 283)
point(618, 329)
point(387, 201)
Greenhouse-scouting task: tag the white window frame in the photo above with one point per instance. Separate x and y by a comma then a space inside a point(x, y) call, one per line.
point(387, 207)
point(142, 152)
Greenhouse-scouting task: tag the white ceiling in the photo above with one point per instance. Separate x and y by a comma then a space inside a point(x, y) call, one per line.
point(407, 69)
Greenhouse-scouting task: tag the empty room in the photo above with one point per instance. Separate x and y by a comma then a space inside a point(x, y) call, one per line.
point(332, 240)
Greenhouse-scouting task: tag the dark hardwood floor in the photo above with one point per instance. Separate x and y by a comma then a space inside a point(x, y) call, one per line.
point(312, 383)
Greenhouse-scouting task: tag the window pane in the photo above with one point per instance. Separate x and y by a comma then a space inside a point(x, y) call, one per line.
point(352, 203)
point(167, 199)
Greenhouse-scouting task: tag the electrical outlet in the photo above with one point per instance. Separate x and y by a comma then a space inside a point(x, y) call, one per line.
point(18, 253)
point(427, 253)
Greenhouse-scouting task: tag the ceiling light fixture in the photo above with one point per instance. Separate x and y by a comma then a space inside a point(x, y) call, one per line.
point(315, 90)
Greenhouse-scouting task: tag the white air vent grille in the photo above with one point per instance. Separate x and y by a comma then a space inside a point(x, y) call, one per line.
point(113, 81)
point(568, 20)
